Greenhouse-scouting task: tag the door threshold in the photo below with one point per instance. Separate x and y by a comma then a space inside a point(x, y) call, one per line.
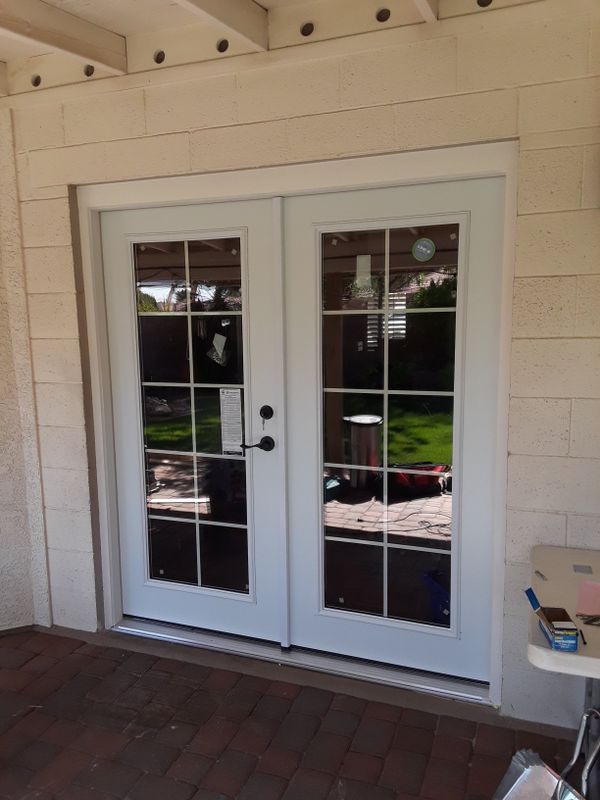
point(343, 666)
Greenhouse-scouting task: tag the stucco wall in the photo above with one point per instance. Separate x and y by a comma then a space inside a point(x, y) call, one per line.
point(24, 597)
point(531, 71)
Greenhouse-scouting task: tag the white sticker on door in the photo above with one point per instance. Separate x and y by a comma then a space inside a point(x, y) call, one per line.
point(231, 421)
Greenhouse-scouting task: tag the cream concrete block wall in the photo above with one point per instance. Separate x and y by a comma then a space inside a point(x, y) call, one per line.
point(530, 72)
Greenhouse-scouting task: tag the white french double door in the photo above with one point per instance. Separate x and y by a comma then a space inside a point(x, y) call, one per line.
point(355, 336)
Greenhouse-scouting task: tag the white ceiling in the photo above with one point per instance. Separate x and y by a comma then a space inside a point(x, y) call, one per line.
point(136, 16)
point(119, 36)
point(127, 16)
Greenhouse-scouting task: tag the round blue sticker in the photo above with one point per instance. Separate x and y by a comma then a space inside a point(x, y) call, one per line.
point(423, 249)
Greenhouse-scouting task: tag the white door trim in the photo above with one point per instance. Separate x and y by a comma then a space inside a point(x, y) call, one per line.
point(495, 159)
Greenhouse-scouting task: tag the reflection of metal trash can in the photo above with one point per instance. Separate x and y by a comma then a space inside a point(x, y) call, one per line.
point(365, 447)
point(528, 778)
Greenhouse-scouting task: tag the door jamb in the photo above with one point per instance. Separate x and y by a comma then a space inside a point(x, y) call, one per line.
point(452, 163)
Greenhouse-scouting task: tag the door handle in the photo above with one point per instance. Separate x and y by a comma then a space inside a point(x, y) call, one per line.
point(267, 443)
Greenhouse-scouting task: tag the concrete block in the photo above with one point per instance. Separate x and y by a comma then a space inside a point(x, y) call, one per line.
point(37, 127)
point(77, 164)
point(543, 307)
point(69, 530)
point(526, 529)
point(551, 139)
point(559, 106)
point(288, 90)
point(27, 191)
point(53, 316)
point(395, 74)
point(544, 697)
point(56, 360)
point(73, 589)
point(239, 146)
point(59, 404)
point(365, 130)
point(594, 60)
point(63, 448)
point(587, 313)
point(515, 637)
point(195, 104)
point(564, 243)
point(542, 483)
point(539, 426)
point(66, 489)
point(49, 269)
point(46, 223)
point(519, 54)
point(583, 532)
point(585, 429)
point(517, 577)
point(103, 117)
point(456, 120)
point(550, 180)
point(555, 368)
point(590, 194)
point(151, 156)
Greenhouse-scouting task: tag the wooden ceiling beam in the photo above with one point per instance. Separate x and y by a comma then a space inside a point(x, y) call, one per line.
point(244, 18)
point(54, 30)
point(428, 9)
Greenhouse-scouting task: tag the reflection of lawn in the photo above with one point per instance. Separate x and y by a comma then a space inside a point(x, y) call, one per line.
point(414, 437)
point(174, 433)
point(208, 433)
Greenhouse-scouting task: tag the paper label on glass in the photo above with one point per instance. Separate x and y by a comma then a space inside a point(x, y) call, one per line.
point(231, 421)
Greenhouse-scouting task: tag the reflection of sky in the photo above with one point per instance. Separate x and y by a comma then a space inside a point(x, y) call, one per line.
point(160, 292)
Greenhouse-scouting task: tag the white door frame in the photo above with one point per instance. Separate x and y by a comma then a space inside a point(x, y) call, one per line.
point(428, 166)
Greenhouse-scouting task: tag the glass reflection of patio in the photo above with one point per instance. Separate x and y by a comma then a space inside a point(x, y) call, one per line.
point(421, 521)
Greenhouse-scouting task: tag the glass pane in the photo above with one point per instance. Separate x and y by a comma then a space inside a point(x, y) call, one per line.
point(418, 283)
point(419, 430)
point(419, 509)
point(419, 586)
point(170, 485)
point(221, 489)
point(353, 351)
point(167, 418)
point(354, 577)
point(353, 428)
point(353, 269)
point(164, 349)
point(173, 551)
point(218, 350)
point(209, 438)
point(353, 504)
point(215, 275)
point(421, 351)
point(160, 276)
point(224, 558)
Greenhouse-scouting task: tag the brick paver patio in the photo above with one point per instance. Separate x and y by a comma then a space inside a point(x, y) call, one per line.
point(87, 722)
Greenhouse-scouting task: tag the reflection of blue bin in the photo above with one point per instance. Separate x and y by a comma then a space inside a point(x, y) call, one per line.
point(440, 600)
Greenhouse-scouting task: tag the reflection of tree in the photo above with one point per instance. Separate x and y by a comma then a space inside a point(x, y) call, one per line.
point(145, 302)
point(424, 360)
point(436, 294)
point(219, 297)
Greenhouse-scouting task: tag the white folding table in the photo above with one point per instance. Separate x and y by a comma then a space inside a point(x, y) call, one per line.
point(556, 575)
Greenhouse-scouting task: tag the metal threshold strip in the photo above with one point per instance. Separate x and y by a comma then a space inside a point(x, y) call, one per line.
point(439, 685)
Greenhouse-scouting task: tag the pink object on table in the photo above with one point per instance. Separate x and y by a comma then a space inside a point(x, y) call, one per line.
point(588, 600)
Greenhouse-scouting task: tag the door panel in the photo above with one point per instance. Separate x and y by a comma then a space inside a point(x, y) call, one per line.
point(367, 531)
point(192, 299)
point(392, 373)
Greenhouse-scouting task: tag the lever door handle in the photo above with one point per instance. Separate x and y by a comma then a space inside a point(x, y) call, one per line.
point(267, 443)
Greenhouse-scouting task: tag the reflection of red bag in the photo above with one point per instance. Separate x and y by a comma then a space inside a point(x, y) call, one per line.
point(423, 482)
